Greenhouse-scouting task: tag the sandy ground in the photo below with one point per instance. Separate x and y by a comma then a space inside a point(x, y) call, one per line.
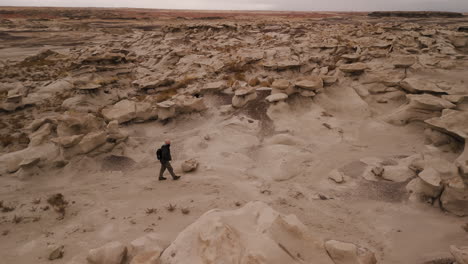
point(239, 156)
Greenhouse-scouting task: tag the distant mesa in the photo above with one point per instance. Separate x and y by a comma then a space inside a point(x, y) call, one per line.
point(412, 14)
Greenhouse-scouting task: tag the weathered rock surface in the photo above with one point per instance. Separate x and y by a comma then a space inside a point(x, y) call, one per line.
point(416, 85)
point(347, 253)
point(455, 198)
point(460, 254)
point(166, 110)
point(189, 165)
point(111, 253)
point(146, 249)
point(312, 83)
point(276, 97)
point(419, 108)
point(354, 68)
point(56, 252)
point(336, 176)
point(404, 61)
point(243, 96)
point(454, 123)
point(253, 234)
point(122, 111)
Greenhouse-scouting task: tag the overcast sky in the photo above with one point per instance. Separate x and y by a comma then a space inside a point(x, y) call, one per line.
point(299, 5)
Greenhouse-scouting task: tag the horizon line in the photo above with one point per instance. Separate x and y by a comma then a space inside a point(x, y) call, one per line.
point(235, 10)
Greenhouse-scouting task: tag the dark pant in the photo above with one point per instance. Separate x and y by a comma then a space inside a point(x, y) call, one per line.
point(166, 165)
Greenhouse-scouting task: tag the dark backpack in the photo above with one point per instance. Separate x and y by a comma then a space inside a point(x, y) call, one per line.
point(159, 154)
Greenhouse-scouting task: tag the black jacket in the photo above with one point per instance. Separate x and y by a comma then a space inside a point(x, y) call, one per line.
point(166, 153)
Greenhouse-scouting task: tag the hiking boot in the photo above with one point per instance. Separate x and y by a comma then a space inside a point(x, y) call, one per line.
point(176, 178)
point(162, 178)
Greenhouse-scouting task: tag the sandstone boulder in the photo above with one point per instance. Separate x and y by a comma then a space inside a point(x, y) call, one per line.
point(421, 192)
point(145, 111)
point(276, 97)
point(146, 249)
point(329, 80)
point(147, 257)
point(72, 123)
point(91, 141)
point(428, 185)
point(336, 176)
point(312, 83)
point(348, 253)
point(10, 162)
point(166, 110)
point(397, 173)
point(460, 254)
point(351, 57)
point(419, 107)
point(417, 85)
point(189, 165)
point(110, 253)
point(114, 133)
point(55, 252)
point(454, 198)
point(122, 111)
point(431, 177)
point(243, 96)
point(454, 123)
point(41, 135)
point(252, 234)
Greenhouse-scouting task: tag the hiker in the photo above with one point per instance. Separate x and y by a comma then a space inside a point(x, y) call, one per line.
point(164, 156)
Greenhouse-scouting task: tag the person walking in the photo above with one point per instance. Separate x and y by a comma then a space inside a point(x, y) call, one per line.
point(164, 156)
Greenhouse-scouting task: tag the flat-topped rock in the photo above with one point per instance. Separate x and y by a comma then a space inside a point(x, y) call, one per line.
point(354, 68)
point(419, 107)
point(351, 57)
point(122, 111)
point(431, 177)
point(311, 83)
point(276, 97)
point(416, 85)
point(429, 102)
point(452, 122)
point(166, 104)
point(328, 80)
point(244, 91)
point(214, 86)
point(404, 61)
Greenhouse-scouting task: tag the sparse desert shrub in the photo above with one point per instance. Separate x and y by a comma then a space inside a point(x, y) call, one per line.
point(151, 211)
point(171, 207)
